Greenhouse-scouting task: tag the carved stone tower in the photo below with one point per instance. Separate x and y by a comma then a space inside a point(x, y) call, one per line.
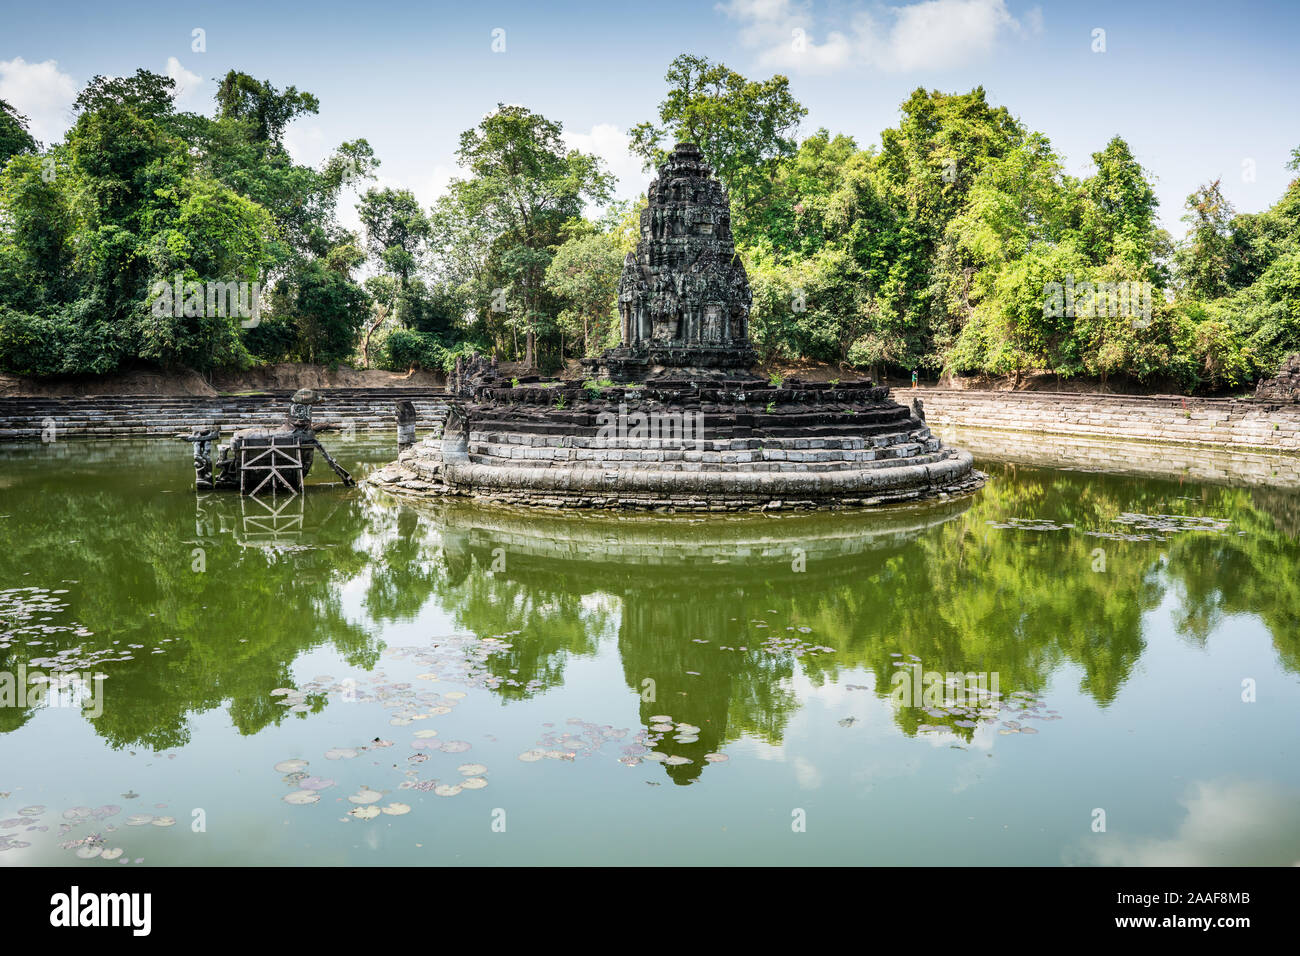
point(683, 298)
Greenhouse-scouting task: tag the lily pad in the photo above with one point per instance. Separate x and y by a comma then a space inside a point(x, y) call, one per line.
point(445, 790)
point(397, 809)
point(300, 798)
point(366, 795)
point(474, 783)
point(472, 769)
point(364, 813)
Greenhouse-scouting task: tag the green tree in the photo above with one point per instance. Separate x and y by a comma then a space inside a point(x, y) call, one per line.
point(268, 111)
point(14, 135)
point(523, 187)
point(585, 272)
point(744, 128)
point(397, 230)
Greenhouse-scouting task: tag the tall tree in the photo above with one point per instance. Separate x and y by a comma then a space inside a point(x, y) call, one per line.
point(743, 126)
point(527, 184)
point(396, 232)
point(1206, 257)
point(258, 102)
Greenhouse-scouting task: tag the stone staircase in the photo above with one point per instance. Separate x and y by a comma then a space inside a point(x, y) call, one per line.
point(135, 415)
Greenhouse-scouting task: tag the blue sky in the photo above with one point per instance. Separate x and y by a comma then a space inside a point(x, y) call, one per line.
point(1199, 90)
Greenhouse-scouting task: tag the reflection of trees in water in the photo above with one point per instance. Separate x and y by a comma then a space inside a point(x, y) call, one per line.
point(963, 596)
point(937, 582)
point(229, 632)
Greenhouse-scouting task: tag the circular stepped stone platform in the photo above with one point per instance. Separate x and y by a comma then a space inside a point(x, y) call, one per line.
point(684, 446)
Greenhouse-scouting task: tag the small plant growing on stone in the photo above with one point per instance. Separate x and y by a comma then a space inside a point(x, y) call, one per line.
point(591, 385)
point(835, 381)
point(771, 407)
point(775, 379)
point(559, 402)
point(514, 383)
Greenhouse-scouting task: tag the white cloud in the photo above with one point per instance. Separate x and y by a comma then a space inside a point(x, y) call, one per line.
point(807, 774)
point(931, 34)
point(1228, 823)
point(42, 92)
point(611, 144)
point(193, 93)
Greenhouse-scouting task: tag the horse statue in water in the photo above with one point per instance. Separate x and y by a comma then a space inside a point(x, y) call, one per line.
point(280, 455)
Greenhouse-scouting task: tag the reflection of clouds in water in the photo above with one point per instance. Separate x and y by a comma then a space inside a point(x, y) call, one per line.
point(809, 777)
point(1228, 823)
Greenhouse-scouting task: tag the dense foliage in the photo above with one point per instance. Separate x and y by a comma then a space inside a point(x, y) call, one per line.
point(958, 245)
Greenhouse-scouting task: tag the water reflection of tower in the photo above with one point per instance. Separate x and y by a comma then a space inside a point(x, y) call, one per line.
point(692, 682)
point(697, 601)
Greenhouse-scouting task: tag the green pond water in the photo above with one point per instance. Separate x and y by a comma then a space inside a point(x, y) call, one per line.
point(494, 682)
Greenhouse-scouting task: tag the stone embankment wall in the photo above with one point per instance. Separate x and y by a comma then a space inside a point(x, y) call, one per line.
point(114, 416)
point(1236, 424)
point(1218, 466)
point(1239, 424)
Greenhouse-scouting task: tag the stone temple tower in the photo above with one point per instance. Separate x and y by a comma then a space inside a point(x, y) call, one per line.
point(683, 298)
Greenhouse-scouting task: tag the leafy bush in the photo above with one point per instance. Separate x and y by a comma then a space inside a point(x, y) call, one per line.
point(406, 349)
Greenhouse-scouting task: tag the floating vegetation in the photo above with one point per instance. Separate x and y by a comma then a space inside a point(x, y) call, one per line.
point(1029, 524)
point(1159, 527)
point(366, 795)
point(789, 644)
point(445, 790)
point(474, 783)
point(1007, 714)
point(341, 753)
point(396, 809)
point(364, 813)
point(290, 766)
point(471, 769)
point(299, 798)
point(716, 758)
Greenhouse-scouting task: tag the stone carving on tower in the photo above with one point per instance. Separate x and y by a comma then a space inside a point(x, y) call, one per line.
point(683, 297)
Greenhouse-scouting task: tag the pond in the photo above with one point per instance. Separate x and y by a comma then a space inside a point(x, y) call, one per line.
point(1065, 668)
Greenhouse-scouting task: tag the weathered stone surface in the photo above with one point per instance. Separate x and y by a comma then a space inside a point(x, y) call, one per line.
point(683, 297)
point(687, 425)
point(1284, 386)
